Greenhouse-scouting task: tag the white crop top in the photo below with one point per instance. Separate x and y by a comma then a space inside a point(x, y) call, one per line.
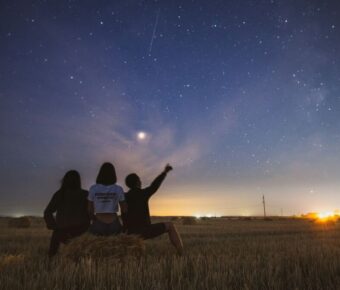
point(106, 198)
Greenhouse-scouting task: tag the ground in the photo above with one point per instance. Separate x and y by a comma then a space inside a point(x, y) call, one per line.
point(219, 254)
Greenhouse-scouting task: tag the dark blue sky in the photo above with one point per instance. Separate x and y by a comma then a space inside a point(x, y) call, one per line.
point(242, 97)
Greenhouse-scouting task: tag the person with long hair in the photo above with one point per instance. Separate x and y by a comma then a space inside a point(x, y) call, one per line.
point(105, 198)
point(137, 221)
point(70, 205)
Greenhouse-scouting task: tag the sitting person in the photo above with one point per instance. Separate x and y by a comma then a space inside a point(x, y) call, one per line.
point(137, 220)
point(70, 205)
point(104, 200)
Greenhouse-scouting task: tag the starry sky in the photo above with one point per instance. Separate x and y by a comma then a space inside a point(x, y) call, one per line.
point(241, 97)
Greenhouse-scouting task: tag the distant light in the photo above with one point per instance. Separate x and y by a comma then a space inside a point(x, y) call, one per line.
point(207, 215)
point(141, 135)
point(326, 214)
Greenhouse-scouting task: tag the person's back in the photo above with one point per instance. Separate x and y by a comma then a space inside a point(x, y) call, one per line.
point(138, 214)
point(137, 220)
point(104, 199)
point(71, 208)
point(70, 205)
point(137, 199)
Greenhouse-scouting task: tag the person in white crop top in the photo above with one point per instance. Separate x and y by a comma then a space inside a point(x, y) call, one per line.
point(104, 200)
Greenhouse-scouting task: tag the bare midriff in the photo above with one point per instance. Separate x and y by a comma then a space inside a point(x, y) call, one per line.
point(106, 218)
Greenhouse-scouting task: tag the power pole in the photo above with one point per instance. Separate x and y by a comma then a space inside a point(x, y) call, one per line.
point(264, 206)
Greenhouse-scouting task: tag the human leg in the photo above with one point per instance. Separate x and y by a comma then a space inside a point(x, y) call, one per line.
point(54, 244)
point(150, 231)
point(174, 237)
point(157, 229)
point(60, 236)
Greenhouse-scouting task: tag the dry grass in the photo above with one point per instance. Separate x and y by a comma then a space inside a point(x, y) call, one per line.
point(20, 222)
point(189, 221)
point(98, 248)
point(9, 261)
point(220, 254)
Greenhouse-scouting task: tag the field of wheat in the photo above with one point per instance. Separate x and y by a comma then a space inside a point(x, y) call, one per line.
point(219, 254)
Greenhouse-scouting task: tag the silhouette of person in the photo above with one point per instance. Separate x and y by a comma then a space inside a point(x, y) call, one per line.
point(137, 220)
point(104, 199)
point(70, 205)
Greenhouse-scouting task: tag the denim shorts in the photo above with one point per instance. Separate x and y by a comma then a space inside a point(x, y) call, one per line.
point(102, 229)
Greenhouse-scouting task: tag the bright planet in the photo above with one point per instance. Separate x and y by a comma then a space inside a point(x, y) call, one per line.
point(141, 135)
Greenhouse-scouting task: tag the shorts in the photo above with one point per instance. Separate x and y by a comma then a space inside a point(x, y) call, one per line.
point(150, 231)
point(102, 229)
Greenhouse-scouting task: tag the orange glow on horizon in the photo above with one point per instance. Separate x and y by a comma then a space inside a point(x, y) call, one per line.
point(196, 207)
point(327, 216)
point(184, 206)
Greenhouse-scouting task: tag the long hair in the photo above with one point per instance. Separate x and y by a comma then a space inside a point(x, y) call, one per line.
point(71, 180)
point(107, 174)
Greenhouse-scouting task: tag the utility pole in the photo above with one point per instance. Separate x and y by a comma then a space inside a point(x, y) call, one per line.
point(264, 206)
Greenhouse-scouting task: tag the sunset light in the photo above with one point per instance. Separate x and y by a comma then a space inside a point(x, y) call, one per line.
point(327, 216)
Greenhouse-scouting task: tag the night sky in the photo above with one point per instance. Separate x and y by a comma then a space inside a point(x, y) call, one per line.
point(241, 97)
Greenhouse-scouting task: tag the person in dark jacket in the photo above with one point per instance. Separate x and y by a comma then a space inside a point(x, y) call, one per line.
point(137, 219)
point(70, 205)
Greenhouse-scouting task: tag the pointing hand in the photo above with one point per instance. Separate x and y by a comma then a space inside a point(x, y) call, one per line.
point(167, 168)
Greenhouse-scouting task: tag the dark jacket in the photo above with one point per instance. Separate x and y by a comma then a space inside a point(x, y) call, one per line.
point(71, 210)
point(137, 199)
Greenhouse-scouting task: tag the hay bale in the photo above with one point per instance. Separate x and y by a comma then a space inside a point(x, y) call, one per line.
point(99, 247)
point(20, 222)
point(189, 220)
point(9, 261)
point(205, 218)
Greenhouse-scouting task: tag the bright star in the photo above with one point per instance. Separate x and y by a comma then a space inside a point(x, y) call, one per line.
point(141, 135)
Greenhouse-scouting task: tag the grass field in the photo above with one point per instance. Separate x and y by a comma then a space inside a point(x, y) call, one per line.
point(220, 254)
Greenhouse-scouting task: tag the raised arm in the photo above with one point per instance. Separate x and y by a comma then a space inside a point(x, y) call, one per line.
point(158, 181)
point(49, 211)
